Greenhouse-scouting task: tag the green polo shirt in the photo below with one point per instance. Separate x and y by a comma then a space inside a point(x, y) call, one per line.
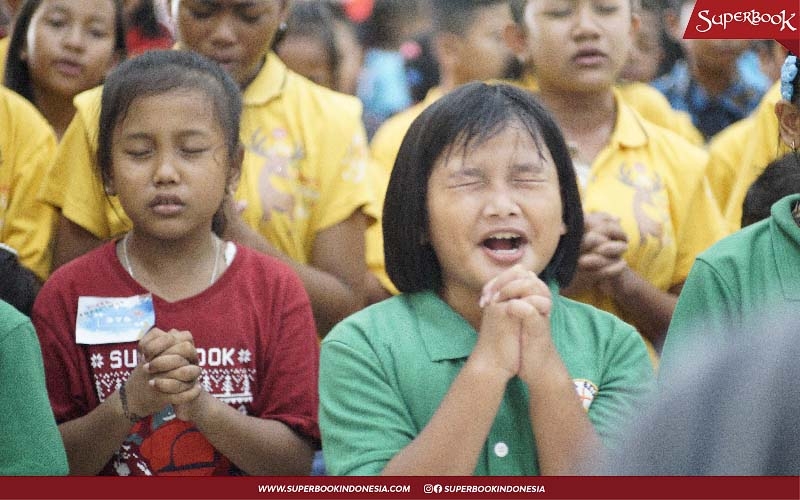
point(385, 370)
point(751, 277)
point(30, 444)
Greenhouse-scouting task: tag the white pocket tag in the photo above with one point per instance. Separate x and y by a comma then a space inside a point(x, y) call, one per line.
point(109, 320)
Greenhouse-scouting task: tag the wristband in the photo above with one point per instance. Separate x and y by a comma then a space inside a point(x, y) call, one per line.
point(123, 397)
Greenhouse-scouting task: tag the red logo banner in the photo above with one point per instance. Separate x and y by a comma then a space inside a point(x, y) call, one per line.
point(747, 20)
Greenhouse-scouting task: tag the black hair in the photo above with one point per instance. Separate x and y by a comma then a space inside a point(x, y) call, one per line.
point(456, 16)
point(17, 76)
point(159, 71)
point(314, 18)
point(467, 117)
point(780, 178)
point(385, 26)
point(517, 10)
point(19, 285)
point(144, 16)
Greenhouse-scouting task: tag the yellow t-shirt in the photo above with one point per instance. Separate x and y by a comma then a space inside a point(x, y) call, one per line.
point(739, 154)
point(305, 167)
point(655, 108)
point(384, 148)
point(27, 145)
point(653, 180)
point(3, 54)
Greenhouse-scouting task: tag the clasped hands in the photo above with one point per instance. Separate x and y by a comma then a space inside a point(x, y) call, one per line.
point(514, 333)
point(167, 373)
point(601, 263)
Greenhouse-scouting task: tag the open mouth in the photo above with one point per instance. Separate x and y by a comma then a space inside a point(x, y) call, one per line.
point(504, 243)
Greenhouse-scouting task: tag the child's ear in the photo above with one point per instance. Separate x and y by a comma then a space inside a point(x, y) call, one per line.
point(108, 187)
point(789, 122)
point(636, 25)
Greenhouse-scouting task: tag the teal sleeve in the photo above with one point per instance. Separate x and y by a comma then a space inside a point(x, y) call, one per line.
point(363, 418)
point(30, 443)
point(704, 310)
point(627, 384)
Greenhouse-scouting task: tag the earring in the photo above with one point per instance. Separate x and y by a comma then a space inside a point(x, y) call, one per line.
point(793, 146)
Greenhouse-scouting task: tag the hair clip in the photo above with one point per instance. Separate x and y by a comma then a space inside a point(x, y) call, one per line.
point(788, 74)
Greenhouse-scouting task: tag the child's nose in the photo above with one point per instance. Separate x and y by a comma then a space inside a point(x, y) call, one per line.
point(74, 37)
point(585, 20)
point(165, 172)
point(501, 203)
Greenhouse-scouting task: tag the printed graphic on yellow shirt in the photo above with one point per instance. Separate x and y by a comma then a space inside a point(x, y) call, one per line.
point(283, 190)
point(649, 202)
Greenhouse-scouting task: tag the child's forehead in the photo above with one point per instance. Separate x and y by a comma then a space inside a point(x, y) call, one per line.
point(511, 140)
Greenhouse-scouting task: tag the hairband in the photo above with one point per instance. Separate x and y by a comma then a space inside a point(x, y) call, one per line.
point(788, 74)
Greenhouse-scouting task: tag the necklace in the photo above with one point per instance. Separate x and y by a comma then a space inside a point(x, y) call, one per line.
point(129, 268)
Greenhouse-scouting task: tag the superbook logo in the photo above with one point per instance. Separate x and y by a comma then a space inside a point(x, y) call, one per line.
point(752, 17)
point(746, 20)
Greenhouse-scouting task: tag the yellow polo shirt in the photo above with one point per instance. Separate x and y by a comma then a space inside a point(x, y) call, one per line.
point(740, 152)
point(27, 145)
point(655, 108)
point(3, 55)
point(305, 167)
point(653, 180)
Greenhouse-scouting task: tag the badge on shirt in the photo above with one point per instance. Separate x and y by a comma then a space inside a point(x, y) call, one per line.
point(109, 320)
point(586, 391)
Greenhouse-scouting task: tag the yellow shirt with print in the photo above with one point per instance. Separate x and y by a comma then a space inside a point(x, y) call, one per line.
point(27, 145)
point(739, 154)
point(305, 164)
point(384, 147)
point(653, 181)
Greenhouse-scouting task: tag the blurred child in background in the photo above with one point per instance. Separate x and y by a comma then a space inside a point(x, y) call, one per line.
point(309, 46)
point(59, 49)
point(709, 84)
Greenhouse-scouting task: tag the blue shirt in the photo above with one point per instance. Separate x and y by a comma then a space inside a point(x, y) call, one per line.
point(710, 114)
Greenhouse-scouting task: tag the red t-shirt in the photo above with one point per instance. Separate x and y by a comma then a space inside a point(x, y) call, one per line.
point(137, 43)
point(255, 337)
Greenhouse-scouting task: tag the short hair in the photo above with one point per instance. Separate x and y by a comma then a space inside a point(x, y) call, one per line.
point(780, 178)
point(467, 117)
point(518, 10)
point(17, 74)
point(159, 71)
point(456, 16)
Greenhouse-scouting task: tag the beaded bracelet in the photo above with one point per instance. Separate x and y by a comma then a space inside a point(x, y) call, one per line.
point(123, 397)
